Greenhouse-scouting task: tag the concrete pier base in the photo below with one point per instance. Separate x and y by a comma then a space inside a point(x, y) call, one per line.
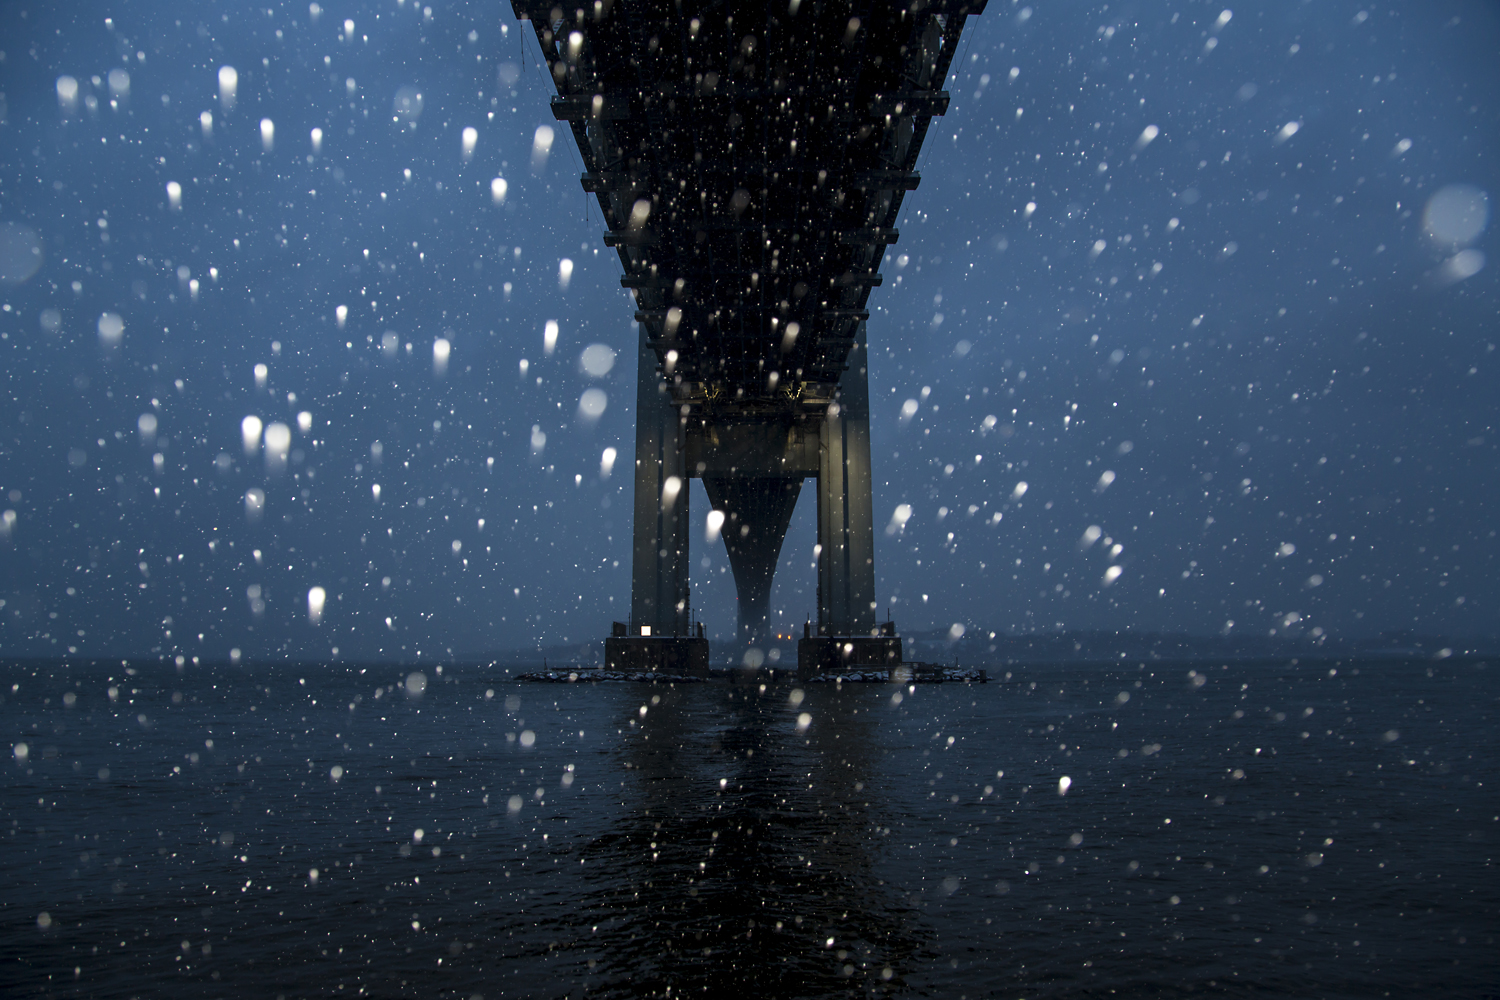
point(678, 656)
point(832, 653)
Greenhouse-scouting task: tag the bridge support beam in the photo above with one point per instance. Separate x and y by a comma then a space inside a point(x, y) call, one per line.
point(659, 594)
point(846, 525)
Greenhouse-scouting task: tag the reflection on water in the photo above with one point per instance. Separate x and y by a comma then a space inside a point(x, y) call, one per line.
point(1250, 829)
point(748, 849)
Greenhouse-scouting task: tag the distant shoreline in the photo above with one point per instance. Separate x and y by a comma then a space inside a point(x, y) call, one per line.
point(514, 664)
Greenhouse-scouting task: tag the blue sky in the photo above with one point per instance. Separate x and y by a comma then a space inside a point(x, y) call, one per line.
point(1217, 280)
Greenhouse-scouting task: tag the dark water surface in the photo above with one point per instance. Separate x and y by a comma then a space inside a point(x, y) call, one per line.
point(1321, 830)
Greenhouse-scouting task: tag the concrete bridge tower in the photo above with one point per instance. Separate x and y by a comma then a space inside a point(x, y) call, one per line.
point(750, 160)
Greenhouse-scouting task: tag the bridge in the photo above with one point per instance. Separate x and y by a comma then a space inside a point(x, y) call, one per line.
point(750, 161)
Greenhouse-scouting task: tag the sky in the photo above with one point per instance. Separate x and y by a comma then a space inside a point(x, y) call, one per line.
point(1191, 328)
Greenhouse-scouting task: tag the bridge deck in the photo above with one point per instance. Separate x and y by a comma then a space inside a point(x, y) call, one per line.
point(750, 161)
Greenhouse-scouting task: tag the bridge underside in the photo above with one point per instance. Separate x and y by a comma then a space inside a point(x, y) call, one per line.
point(750, 161)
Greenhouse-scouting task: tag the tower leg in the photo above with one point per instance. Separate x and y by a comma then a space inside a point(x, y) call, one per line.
point(846, 525)
point(757, 511)
point(659, 593)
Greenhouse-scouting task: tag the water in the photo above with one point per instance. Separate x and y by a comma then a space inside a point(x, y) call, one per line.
point(1321, 830)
